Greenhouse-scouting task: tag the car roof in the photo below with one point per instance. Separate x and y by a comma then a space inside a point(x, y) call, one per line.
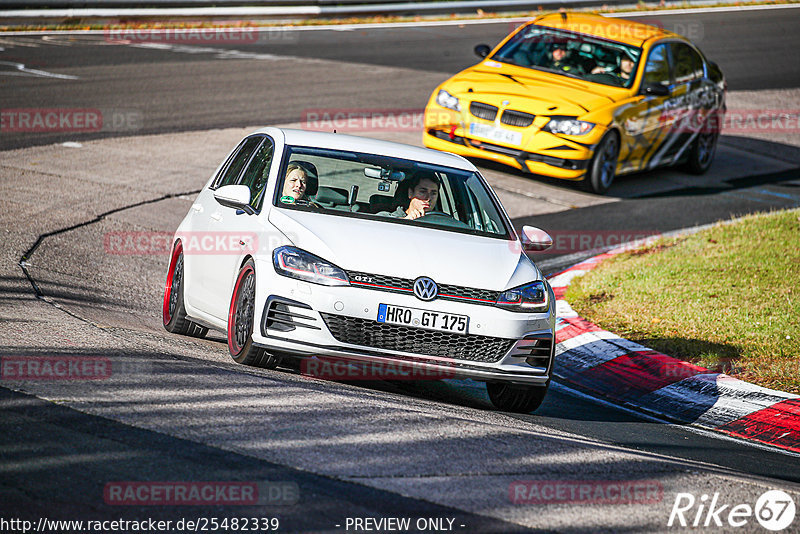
point(337, 141)
point(613, 29)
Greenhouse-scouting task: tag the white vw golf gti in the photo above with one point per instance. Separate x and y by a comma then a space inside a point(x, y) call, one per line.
point(318, 245)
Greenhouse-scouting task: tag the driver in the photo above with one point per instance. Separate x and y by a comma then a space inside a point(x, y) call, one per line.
point(300, 183)
point(423, 194)
point(559, 59)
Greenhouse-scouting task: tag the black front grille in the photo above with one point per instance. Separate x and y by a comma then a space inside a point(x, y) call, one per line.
point(367, 333)
point(406, 285)
point(517, 118)
point(483, 111)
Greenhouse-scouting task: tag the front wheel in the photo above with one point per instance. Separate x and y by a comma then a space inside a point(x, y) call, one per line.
point(240, 322)
point(603, 166)
point(515, 398)
point(173, 312)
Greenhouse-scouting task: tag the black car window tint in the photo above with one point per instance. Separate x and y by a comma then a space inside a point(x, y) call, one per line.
point(257, 172)
point(231, 174)
point(657, 67)
point(686, 63)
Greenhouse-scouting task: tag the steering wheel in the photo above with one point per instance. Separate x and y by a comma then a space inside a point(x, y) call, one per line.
point(437, 214)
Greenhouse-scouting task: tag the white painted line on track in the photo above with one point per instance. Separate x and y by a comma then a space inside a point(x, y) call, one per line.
point(22, 70)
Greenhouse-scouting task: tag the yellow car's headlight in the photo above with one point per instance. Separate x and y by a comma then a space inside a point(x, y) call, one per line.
point(446, 100)
point(568, 126)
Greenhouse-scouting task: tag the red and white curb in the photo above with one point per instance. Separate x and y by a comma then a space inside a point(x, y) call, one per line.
point(603, 364)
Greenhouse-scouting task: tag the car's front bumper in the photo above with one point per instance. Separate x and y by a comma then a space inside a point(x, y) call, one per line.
point(540, 152)
point(341, 322)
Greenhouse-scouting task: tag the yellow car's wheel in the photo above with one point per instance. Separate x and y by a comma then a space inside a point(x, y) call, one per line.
point(604, 164)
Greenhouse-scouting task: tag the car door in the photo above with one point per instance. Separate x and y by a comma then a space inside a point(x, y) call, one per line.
point(694, 97)
point(205, 243)
point(237, 232)
point(646, 122)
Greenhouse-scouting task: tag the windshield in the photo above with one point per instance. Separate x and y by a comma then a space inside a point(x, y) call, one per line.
point(574, 55)
point(389, 189)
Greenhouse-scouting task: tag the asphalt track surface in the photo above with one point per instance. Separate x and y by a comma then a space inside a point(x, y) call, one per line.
point(57, 457)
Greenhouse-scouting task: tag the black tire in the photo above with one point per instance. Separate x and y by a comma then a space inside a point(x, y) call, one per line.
point(603, 166)
point(701, 153)
point(515, 398)
point(173, 311)
point(240, 322)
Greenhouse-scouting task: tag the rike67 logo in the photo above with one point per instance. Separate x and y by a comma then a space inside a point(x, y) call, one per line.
point(774, 510)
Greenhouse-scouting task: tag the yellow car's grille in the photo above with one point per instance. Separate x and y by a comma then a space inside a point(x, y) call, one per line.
point(483, 111)
point(517, 118)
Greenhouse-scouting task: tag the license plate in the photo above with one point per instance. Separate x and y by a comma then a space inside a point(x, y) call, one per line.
point(430, 320)
point(495, 134)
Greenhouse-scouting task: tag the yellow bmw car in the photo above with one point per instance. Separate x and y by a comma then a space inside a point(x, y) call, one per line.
point(583, 97)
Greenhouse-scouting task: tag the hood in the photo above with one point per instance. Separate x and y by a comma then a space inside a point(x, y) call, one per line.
point(406, 251)
point(536, 92)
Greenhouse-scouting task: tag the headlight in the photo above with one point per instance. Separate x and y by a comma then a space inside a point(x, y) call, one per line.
point(568, 126)
point(528, 298)
point(296, 263)
point(446, 100)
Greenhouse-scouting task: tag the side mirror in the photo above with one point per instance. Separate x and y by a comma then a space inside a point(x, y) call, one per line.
point(482, 50)
point(535, 239)
point(236, 197)
point(656, 89)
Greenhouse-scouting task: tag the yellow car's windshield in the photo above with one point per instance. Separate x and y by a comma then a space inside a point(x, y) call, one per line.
point(574, 55)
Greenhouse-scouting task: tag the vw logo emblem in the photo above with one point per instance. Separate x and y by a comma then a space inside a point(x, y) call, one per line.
point(425, 288)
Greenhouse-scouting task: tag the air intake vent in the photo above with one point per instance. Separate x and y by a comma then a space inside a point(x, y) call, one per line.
point(483, 111)
point(284, 315)
point(517, 118)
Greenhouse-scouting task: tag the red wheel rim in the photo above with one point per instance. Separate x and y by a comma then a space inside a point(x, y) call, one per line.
point(233, 312)
point(176, 253)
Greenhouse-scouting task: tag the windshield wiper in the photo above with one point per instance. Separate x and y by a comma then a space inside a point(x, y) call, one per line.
point(556, 71)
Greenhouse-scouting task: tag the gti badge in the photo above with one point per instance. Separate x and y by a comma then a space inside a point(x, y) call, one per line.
point(425, 288)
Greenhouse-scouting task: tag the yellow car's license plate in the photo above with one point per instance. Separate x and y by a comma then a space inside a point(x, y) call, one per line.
point(431, 320)
point(495, 134)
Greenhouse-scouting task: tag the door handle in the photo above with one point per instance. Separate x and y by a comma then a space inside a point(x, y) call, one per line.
point(197, 207)
point(216, 216)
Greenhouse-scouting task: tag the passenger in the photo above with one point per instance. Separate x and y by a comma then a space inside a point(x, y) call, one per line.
point(423, 195)
point(300, 182)
point(626, 63)
point(624, 70)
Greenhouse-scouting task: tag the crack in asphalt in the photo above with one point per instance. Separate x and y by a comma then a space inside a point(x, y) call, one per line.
point(24, 261)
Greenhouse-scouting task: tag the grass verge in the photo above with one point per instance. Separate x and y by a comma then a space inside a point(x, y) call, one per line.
point(726, 298)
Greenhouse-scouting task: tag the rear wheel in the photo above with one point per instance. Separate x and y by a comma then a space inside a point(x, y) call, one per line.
point(603, 166)
point(173, 312)
point(515, 398)
point(701, 153)
point(240, 322)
